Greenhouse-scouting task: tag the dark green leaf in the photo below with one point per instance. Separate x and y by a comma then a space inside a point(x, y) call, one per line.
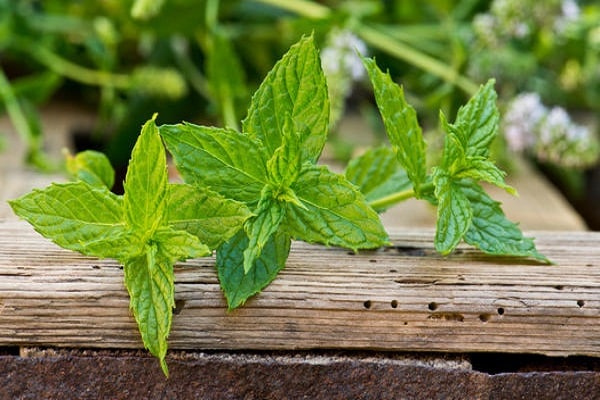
point(260, 229)
point(454, 213)
point(238, 285)
point(491, 231)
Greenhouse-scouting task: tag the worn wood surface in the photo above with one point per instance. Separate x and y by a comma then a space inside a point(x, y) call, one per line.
point(403, 297)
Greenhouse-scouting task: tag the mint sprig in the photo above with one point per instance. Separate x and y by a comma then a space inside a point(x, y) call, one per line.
point(152, 226)
point(272, 168)
point(464, 210)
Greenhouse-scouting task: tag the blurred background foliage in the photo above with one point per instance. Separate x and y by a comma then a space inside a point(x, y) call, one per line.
point(202, 60)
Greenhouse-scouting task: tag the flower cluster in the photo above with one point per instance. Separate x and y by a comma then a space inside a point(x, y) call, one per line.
point(548, 134)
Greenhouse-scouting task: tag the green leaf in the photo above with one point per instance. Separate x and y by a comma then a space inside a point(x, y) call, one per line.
point(145, 198)
point(204, 213)
point(284, 166)
point(377, 174)
point(296, 86)
point(149, 281)
point(477, 122)
point(76, 216)
point(227, 161)
point(92, 167)
point(491, 231)
point(238, 285)
point(179, 245)
point(485, 170)
point(401, 124)
point(454, 213)
point(334, 212)
point(260, 229)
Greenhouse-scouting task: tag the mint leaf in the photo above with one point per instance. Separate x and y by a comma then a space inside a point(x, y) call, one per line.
point(149, 281)
point(152, 226)
point(76, 216)
point(454, 213)
point(334, 212)
point(296, 87)
point(145, 197)
point(270, 167)
point(260, 229)
point(401, 124)
point(377, 174)
point(227, 161)
point(91, 167)
point(491, 231)
point(238, 285)
point(477, 122)
point(204, 213)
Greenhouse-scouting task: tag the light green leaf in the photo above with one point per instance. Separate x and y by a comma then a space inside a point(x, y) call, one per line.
point(491, 231)
point(75, 216)
point(335, 212)
point(284, 166)
point(238, 285)
point(296, 86)
point(227, 161)
point(92, 167)
point(377, 174)
point(260, 229)
point(454, 213)
point(145, 198)
point(179, 245)
point(401, 124)
point(149, 281)
point(485, 170)
point(477, 122)
point(204, 213)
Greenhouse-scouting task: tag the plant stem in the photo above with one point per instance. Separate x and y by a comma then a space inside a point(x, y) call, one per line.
point(73, 71)
point(302, 7)
point(398, 49)
point(395, 198)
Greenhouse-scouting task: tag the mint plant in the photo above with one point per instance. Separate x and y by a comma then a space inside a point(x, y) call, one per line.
point(271, 167)
point(464, 209)
point(248, 194)
point(152, 226)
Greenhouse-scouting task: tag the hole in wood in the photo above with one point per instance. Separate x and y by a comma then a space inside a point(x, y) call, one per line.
point(394, 303)
point(484, 317)
point(580, 303)
point(500, 311)
point(179, 305)
point(432, 306)
point(95, 267)
point(372, 261)
point(367, 304)
point(559, 287)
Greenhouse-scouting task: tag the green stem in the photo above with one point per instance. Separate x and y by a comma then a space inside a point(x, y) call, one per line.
point(13, 108)
point(398, 197)
point(73, 71)
point(384, 42)
point(392, 199)
point(305, 8)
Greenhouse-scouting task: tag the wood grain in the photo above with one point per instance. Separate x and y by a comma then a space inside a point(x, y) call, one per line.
point(404, 297)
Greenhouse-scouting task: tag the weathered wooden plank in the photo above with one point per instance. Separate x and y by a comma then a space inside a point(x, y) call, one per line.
point(404, 297)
